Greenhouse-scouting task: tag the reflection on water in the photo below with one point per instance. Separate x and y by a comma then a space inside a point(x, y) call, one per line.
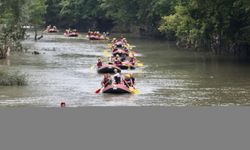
point(171, 77)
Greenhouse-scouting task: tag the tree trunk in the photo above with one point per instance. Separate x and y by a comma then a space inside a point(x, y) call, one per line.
point(35, 33)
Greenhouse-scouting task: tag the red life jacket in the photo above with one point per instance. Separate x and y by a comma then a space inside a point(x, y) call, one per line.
point(106, 81)
point(128, 81)
point(118, 63)
point(99, 64)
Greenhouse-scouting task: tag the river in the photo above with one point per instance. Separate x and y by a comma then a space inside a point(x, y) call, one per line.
point(170, 77)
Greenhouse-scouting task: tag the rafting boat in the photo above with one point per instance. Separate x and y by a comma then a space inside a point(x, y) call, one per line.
point(116, 89)
point(120, 52)
point(108, 69)
point(52, 30)
point(97, 38)
point(71, 34)
point(127, 65)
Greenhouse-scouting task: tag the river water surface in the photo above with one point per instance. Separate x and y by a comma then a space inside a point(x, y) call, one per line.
point(170, 77)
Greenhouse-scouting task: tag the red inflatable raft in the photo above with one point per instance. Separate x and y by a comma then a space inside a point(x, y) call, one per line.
point(97, 38)
point(71, 34)
point(116, 89)
point(52, 30)
point(108, 69)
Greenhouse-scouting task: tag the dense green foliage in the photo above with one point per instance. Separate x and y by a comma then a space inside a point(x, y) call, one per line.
point(14, 14)
point(220, 25)
point(217, 25)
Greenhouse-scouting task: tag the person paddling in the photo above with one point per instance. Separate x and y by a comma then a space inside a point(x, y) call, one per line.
point(127, 81)
point(106, 80)
point(99, 63)
point(132, 77)
point(117, 77)
point(117, 61)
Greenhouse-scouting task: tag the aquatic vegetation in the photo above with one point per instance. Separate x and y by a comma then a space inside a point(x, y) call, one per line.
point(13, 79)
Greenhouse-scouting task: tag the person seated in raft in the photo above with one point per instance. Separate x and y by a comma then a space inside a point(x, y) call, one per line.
point(132, 77)
point(99, 63)
point(123, 57)
point(89, 32)
point(128, 81)
point(119, 44)
point(54, 27)
point(124, 41)
point(106, 80)
point(117, 61)
point(117, 77)
point(114, 50)
point(113, 41)
point(49, 27)
point(67, 31)
point(132, 60)
point(126, 50)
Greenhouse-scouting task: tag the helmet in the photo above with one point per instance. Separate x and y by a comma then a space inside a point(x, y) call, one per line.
point(127, 76)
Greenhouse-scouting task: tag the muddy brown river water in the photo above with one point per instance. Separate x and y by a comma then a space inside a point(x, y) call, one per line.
point(170, 77)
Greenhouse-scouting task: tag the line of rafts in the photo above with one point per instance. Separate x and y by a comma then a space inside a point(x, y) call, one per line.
point(92, 35)
point(122, 58)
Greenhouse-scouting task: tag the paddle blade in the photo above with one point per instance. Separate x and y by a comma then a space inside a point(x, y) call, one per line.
point(134, 91)
point(92, 67)
point(140, 64)
point(107, 54)
point(98, 91)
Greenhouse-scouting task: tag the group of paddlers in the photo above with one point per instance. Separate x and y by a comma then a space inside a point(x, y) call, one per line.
point(51, 29)
point(96, 35)
point(128, 79)
point(122, 58)
point(92, 35)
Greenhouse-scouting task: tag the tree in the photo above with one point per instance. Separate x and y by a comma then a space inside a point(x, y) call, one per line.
point(37, 11)
point(218, 25)
point(11, 18)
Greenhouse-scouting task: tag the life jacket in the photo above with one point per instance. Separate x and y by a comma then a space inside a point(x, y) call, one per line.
point(118, 63)
point(99, 64)
point(128, 82)
point(132, 61)
point(106, 82)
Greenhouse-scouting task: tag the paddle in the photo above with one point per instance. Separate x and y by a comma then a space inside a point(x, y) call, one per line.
point(140, 64)
point(107, 54)
point(134, 91)
point(92, 67)
point(99, 90)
